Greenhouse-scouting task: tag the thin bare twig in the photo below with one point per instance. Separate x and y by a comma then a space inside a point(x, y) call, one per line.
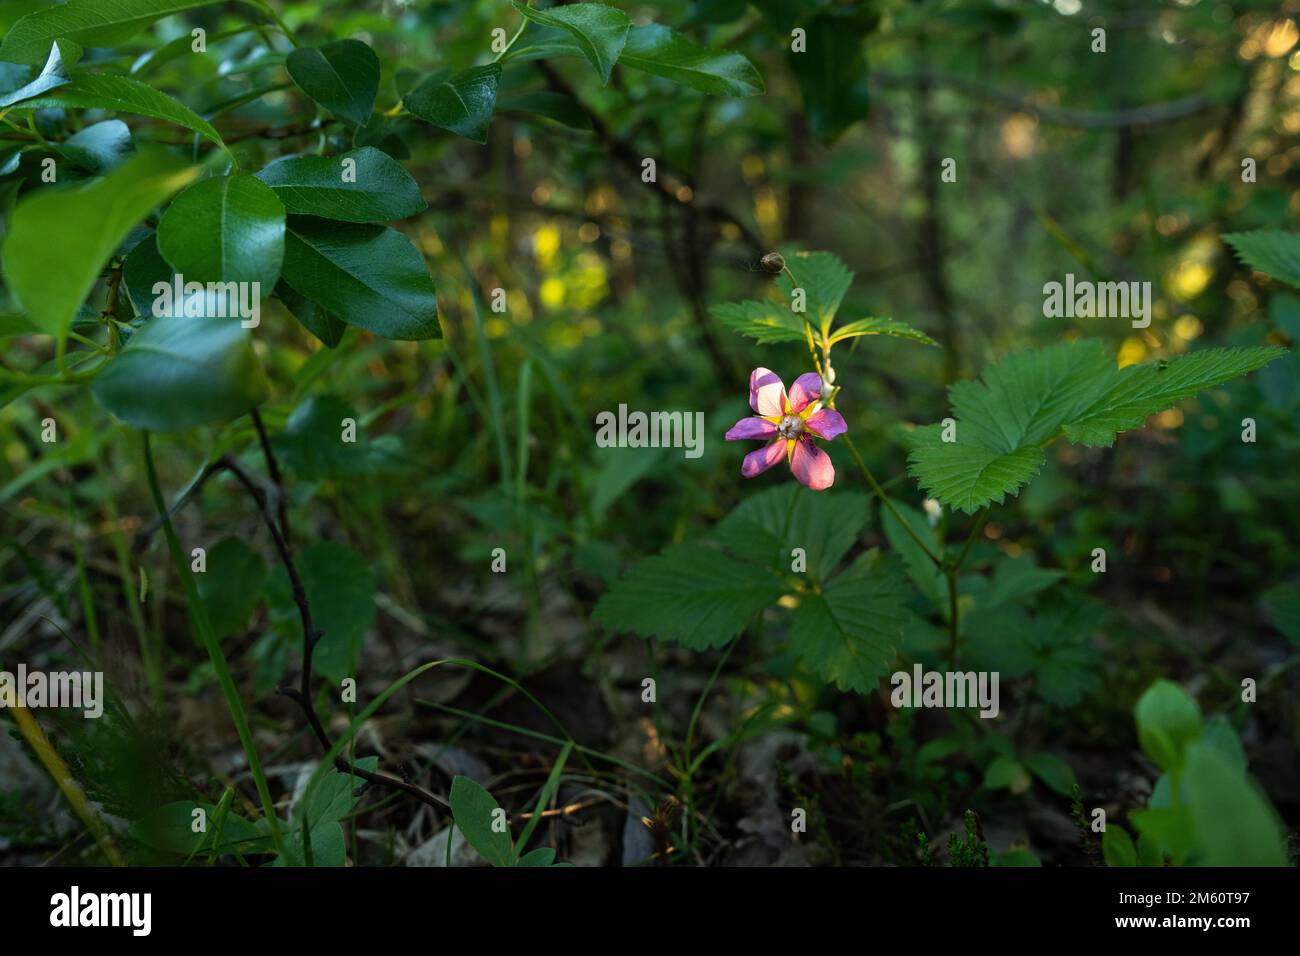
point(310, 638)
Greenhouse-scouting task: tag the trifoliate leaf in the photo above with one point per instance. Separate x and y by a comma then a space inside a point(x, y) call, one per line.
point(880, 327)
point(848, 632)
point(823, 278)
point(598, 30)
point(691, 594)
point(824, 525)
point(1071, 389)
point(1270, 251)
point(765, 322)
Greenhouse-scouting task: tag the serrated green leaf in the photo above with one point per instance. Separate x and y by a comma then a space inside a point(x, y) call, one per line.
point(1054, 646)
point(600, 32)
point(1015, 579)
point(656, 49)
point(1053, 771)
point(848, 632)
point(969, 476)
point(824, 525)
point(371, 277)
point(86, 23)
point(925, 574)
point(333, 798)
point(1063, 660)
point(475, 813)
point(1023, 399)
point(179, 372)
point(1028, 398)
point(1142, 390)
point(71, 233)
point(765, 322)
point(824, 278)
point(1283, 603)
point(342, 76)
point(101, 91)
point(461, 103)
point(880, 327)
point(690, 594)
point(1270, 251)
point(375, 189)
point(225, 229)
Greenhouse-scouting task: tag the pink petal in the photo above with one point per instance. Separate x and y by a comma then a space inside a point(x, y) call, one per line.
point(812, 466)
point(751, 428)
point(826, 423)
point(757, 462)
point(766, 392)
point(806, 388)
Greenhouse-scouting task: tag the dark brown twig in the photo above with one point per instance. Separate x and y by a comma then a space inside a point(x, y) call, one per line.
point(273, 467)
point(310, 638)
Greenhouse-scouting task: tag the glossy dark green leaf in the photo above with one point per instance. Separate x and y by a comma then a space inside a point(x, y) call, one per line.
point(86, 23)
point(145, 267)
point(368, 276)
point(383, 133)
point(312, 445)
point(315, 320)
point(227, 229)
point(461, 103)
point(99, 147)
point(658, 50)
point(832, 74)
point(70, 233)
point(55, 74)
point(342, 76)
point(599, 31)
point(559, 107)
point(370, 188)
point(178, 372)
point(89, 91)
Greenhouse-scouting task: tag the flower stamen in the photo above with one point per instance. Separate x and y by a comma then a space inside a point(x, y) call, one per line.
point(791, 426)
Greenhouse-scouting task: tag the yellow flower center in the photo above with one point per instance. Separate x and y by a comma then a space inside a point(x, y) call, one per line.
point(791, 426)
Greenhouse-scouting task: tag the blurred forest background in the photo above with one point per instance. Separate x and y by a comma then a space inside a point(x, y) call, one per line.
point(1126, 164)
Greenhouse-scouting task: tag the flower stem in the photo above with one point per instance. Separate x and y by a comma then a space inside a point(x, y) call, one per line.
point(203, 626)
point(884, 500)
point(523, 23)
point(950, 572)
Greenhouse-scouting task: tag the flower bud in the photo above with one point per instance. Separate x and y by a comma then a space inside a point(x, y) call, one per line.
point(773, 262)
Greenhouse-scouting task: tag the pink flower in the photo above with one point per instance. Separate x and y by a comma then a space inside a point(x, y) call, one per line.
point(790, 422)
